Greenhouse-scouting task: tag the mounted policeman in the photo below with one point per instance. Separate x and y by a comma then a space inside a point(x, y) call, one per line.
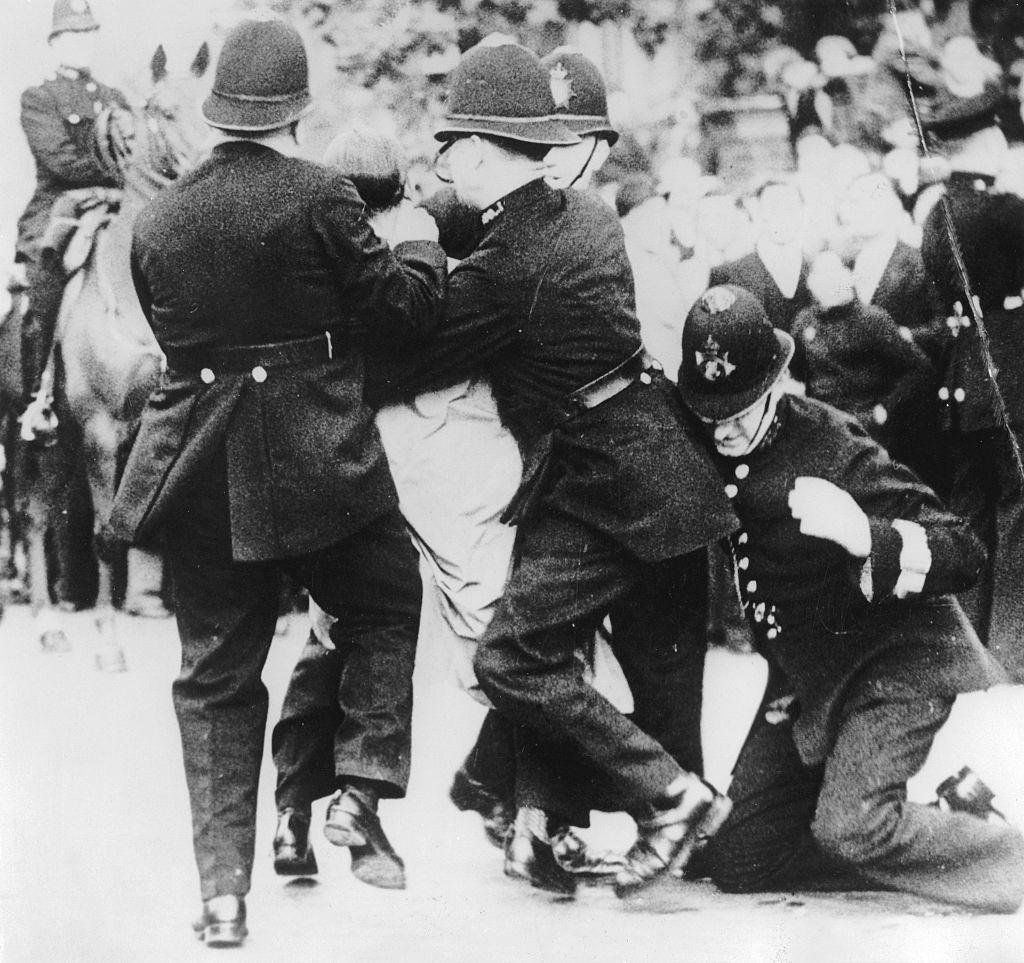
point(58, 117)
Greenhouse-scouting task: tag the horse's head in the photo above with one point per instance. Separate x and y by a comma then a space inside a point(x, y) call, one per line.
point(162, 139)
point(175, 129)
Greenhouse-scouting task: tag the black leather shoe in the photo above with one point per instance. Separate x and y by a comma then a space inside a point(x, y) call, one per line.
point(352, 821)
point(694, 812)
point(529, 856)
point(293, 855)
point(470, 795)
point(586, 864)
point(222, 922)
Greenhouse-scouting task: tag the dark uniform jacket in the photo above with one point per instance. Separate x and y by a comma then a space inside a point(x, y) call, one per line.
point(856, 358)
point(807, 598)
point(58, 118)
point(909, 297)
point(254, 248)
point(749, 272)
point(990, 229)
point(541, 307)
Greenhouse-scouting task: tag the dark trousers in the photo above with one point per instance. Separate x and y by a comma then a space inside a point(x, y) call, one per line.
point(988, 493)
point(566, 579)
point(303, 738)
point(492, 760)
point(46, 291)
point(226, 614)
point(794, 826)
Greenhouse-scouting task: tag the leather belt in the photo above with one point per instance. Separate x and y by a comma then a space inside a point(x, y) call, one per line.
point(238, 359)
point(611, 383)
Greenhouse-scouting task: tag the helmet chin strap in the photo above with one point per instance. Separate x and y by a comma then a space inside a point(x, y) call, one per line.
point(771, 403)
point(586, 164)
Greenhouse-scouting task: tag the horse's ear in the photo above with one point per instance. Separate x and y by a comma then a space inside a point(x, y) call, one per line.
point(158, 65)
point(201, 61)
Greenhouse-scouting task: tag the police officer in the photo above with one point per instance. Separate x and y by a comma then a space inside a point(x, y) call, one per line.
point(581, 103)
point(843, 563)
point(616, 506)
point(984, 426)
point(485, 783)
point(257, 455)
point(58, 118)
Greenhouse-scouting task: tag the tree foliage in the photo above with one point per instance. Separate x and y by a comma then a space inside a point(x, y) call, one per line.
point(734, 35)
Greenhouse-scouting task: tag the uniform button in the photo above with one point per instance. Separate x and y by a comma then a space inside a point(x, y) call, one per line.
point(74, 119)
point(772, 633)
point(742, 471)
point(959, 394)
point(744, 563)
point(97, 106)
point(752, 586)
point(759, 612)
point(944, 393)
point(810, 333)
point(91, 87)
point(771, 619)
point(743, 538)
point(207, 376)
point(259, 374)
point(731, 491)
point(645, 378)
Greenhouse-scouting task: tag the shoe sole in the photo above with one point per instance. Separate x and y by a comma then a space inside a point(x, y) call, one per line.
point(339, 835)
point(521, 876)
point(223, 934)
point(289, 863)
point(378, 870)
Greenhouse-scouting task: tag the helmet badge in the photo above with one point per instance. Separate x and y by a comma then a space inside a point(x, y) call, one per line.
point(712, 361)
point(561, 86)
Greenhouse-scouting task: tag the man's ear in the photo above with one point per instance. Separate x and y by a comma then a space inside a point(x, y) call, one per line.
point(479, 149)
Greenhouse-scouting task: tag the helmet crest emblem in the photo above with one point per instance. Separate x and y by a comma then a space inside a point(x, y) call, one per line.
point(712, 361)
point(561, 86)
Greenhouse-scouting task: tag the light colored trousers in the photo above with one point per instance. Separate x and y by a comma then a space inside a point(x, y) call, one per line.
point(456, 467)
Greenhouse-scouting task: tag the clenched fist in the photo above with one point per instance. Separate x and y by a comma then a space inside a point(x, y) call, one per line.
point(827, 511)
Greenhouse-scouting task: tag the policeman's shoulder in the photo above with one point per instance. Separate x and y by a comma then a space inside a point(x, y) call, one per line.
point(38, 94)
point(336, 186)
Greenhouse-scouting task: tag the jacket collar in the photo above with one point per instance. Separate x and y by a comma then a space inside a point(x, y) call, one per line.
point(522, 198)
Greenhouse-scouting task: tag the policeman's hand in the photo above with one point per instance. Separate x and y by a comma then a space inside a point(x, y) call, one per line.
point(826, 511)
point(321, 624)
point(122, 129)
point(412, 223)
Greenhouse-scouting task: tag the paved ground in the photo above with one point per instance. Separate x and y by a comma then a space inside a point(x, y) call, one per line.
point(95, 856)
